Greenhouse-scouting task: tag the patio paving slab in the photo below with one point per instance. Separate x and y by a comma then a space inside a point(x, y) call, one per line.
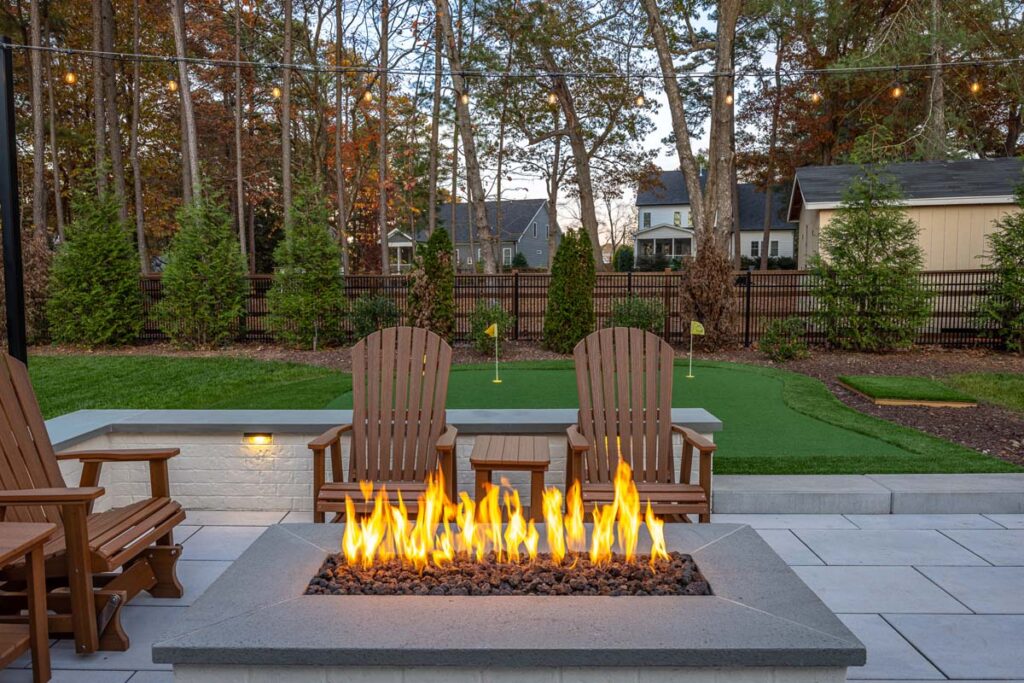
point(902, 547)
point(67, 676)
point(790, 548)
point(786, 521)
point(235, 517)
point(220, 542)
point(922, 522)
point(1008, 521)
point(144, 625)
point(803, 494)
point(998, 547)
point(183, 532)
point(954, 493)
point(298, 517)
point(152, 677)
point(195, 575)
point(889, 654)
point(878, 589)
point(954, 643)
point(986, 590)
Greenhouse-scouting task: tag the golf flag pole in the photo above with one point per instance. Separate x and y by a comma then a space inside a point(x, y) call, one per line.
point(492, 331)
point(695, 329)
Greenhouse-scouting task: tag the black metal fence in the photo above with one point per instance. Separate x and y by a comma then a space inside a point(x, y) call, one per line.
point(762, 296)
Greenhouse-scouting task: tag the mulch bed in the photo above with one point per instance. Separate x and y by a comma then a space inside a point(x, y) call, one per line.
point(677, 576)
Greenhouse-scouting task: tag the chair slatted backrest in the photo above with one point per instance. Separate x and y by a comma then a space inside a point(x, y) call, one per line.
point(27, 460)
point(624, 382)
point(399, 388)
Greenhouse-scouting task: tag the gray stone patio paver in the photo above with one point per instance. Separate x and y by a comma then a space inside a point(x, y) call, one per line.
point(969, 645)
point(67, 676)
point(195, 575)
point(954, 493)
point(806, 494)
point(786, 521)
point(922, 522)
point(220, 542)
point(235, 517)
point(901, 547)
point(298, 517)
point(889, 654)
point(144, 626)
point(986, 590)
point(877, 589)
point(998, 547)
point(183, 532)
point(152, 677)
point(1008, 521)
point(789, 547)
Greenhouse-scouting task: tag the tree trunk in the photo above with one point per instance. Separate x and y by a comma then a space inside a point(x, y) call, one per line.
point(553, 181)
point(773, 137)
point(38, 126)
point(286, 118)
point(719, 196)
point(435, 126)
point(113, 115)
point(58, 199)
point(465, 127)
point(382, 143)
point(339, 121)
point(935, 136)
point(99, 114)
point(239, 184)
point(133, 147)
point(188, 115)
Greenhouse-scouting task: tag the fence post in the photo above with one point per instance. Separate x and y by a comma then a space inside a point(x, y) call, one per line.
point(746, 309)
point(515, 304)
point(629, 283)
point(667, 300)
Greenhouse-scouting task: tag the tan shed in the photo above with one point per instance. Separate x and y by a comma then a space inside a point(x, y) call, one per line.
point(954, 203)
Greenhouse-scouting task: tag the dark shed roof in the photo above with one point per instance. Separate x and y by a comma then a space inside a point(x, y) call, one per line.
point(919, 179)
point(515, 217)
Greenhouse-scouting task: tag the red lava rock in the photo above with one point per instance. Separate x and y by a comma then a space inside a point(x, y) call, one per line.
point(678, 575)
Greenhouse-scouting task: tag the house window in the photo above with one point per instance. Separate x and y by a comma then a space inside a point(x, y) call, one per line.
point(534, 228)
point(506, 255)
point(458, 256)
point(677, 218)
point(755, 249)
point(647, 219)
point(773, 250)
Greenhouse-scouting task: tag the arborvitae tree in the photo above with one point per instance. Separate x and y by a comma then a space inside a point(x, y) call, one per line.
point(570, 312)
point(95, 298)
point(432, 286)
point(204, 286)
point(1004, 304)
point(622, 259)
point(866, 282)
point(306, 302)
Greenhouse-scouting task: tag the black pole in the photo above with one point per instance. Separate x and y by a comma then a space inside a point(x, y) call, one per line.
point(10, 212)
point(746, 308)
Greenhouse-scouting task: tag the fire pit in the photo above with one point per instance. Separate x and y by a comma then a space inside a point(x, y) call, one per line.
point(549, 602)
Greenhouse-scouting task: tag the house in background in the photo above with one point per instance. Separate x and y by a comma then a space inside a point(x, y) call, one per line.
point(664, 227)
point(954, 204)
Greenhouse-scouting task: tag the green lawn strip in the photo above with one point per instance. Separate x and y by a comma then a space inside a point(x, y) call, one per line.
point(1004, 389)
point(68, 383)
point(904, 387)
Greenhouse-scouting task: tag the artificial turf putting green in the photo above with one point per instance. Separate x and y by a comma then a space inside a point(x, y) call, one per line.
point(775, 422)
point(905, 388)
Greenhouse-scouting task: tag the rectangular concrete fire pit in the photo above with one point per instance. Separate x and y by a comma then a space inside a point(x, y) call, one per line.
point(762, 622)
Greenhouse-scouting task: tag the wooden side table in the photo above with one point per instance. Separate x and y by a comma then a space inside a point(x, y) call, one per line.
point(23, 539)
point(513, 453)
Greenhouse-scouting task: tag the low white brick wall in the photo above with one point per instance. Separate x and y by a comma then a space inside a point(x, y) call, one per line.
point(219, 472)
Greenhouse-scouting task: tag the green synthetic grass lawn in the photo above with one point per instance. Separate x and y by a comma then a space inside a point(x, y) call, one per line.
point(1004, 389)
point(903, 387)
point(776, 422)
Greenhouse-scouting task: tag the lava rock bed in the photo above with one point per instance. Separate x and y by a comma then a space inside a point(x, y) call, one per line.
point(677, 576)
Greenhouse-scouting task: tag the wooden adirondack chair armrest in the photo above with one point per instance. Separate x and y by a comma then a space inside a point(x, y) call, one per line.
point(706, 451)
point(698, 441)
point(577, 442)
point(120, 455)
point(445, 447)
point(331, 436)
point(51, 496)
point(446, 442)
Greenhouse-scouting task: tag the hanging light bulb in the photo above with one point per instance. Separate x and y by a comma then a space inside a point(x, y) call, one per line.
point(815, 97)
point(975, 86)
point(464, 98)
point(640, 101)
point(275, 92)
point(367, 96)
point(729, 98)
point(552, 98)
point(172, 85)
point(70, 77)
point(897, 91)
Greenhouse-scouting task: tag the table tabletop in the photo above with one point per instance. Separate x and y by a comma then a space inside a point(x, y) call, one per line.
point(511, 451)
point(17, 537)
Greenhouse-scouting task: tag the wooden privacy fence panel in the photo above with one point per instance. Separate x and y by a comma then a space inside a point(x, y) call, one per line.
point(761, 296)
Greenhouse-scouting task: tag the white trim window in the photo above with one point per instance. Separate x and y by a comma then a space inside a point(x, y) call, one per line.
point(773, 248)
point(677, 218)
point(647, 219)
point(458, 256)
point(755, 248)
point(534, 228)
point(506, 256)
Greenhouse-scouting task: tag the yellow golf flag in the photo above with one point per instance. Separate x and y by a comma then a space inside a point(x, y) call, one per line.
point(492, 331)
point(696, 328)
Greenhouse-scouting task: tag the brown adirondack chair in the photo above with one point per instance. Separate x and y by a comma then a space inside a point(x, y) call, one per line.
point(399, 434)
point(624, 381)
point(86, 594)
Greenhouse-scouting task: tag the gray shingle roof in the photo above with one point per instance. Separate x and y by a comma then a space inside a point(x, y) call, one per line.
point(920, 179)
point(668, 188)
point(516, 215)
point(672, 190)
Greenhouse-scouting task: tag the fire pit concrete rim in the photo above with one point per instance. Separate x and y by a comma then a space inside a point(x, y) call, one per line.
point(761, 615)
